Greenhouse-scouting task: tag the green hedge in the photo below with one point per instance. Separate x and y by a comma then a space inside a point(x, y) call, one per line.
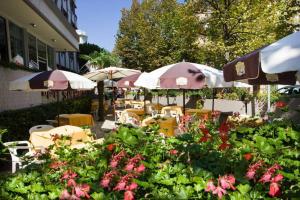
point(18, 122)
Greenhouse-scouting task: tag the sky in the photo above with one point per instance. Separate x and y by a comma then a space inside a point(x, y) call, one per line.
point(100, 20)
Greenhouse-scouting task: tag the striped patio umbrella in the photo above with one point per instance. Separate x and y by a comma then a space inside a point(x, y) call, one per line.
point(52, 80)
point(55, 80)
point(128, 82)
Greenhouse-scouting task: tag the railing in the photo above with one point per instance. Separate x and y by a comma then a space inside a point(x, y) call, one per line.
point(74, 20)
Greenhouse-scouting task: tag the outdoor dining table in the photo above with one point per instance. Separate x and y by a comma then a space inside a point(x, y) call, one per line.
point(136, 111)
point(44, 138)
point(167, 124)
point(76, 119)
point(177, 109)
point(198, 112)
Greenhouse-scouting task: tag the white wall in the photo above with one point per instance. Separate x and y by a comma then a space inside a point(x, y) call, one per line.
point(12, 100)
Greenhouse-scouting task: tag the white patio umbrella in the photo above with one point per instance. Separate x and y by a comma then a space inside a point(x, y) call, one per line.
point(110, 73)
point(282, 56)
point(55, 80)
point(185, 75)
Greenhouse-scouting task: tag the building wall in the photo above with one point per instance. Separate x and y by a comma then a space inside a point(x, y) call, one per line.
point(12, 100)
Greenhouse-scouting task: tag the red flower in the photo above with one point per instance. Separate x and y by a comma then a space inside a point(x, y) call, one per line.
point(140, 169)
point(128, 195)
point(205, 117)
point(205, 138)
point(121, 185)
point(280, 104)
point(210, 186)
point(111, 147)
point(71, 182)
point(248, 156)
point(274, 190)
point(224, 128)
point(173, 152)
point(219, 191)
point(224, 146)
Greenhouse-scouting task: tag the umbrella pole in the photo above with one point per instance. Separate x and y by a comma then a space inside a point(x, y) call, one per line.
point(213, 100)
point(183, 94)
point(145, 100)
point(58, 108)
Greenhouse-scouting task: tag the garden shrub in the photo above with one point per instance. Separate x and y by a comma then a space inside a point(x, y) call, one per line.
point(208, 161)
point(18, 122)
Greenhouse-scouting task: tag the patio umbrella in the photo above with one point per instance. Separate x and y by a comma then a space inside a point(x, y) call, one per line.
point(282, 56)
point(184, 75)
point(128, 82)
point(55, 80)
point(110, 83)
point(110, 73)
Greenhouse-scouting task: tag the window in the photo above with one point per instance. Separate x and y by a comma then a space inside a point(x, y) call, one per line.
point(50, 52)
point(16, 41)
point(62, 59)
point(3, 41)
point(42, 56)
point(32, 52)
point(71, 60)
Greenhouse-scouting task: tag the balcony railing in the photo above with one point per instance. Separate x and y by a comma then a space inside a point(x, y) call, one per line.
point(74, 20)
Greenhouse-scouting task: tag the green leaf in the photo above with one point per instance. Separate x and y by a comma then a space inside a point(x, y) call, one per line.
point(244, 189)
point(98, 196)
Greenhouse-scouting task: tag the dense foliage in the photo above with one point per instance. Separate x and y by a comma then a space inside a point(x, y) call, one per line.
point(156, 33)
point(208, 161)
point(18, 122)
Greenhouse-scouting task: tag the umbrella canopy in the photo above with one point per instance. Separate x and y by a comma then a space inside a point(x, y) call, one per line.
point(52, 80)
point(282, 56)
point(184, 75)
point(280, 60)
point(110, 83)
point(128, 82)
point(110, 73)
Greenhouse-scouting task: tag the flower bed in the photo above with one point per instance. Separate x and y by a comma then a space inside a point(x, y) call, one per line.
point(209, 161)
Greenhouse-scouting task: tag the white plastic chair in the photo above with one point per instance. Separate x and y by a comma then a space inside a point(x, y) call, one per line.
point(15, 158)
point(40, 128)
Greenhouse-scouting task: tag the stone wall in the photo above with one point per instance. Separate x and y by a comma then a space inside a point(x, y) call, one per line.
point(12, 100)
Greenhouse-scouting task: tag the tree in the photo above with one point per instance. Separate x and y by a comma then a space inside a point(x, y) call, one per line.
point(100, 60)
point(86, 49)
point(231, 28)
point(154, 33)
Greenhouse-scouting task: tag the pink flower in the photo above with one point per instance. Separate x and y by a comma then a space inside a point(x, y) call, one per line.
point(64, 195)
point(74, 197)
point(129, 167)
point(82, 190)
point(250, 174)
point(128, 195)
point(265, 178)
point(219, 191)
point(227, 182)
point(173, 152)
point(210, 186)
point(116, 159)
point(274, 190)
point(140, 168)
point(277, 178)
point(71, 182)
point(107, 178)
point(132, 186)
point(252, 169)
point(69, 174)
point(120, 186)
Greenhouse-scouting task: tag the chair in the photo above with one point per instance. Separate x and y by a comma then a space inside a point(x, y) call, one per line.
point(129, 118)
point(13, 150)
point(40, 128)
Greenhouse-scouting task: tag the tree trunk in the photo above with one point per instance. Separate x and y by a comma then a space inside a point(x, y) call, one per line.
point(100, 87)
